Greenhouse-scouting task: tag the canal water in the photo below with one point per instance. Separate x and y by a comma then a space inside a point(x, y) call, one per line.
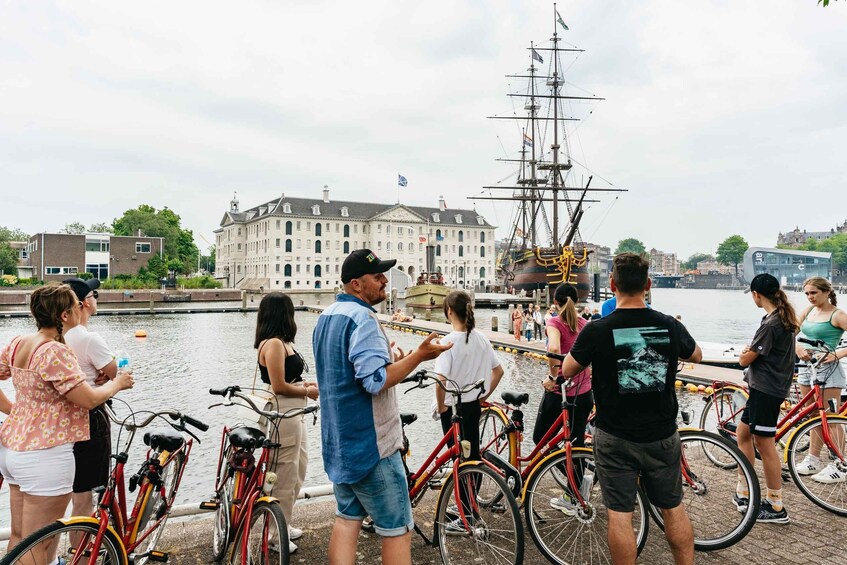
point(184, 355)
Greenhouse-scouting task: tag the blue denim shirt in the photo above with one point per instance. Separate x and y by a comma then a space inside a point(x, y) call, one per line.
point(360, 421)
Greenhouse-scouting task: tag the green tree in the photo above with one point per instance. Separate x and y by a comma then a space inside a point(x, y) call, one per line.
point(100, 228)
point(176, 266)
point(8, 259)
point(164, 223)
point(631, 245)
point(731, 251)
point(207, 261)
point(74, 228)
point(837, 245)
point(12, 234)
point(691, 263)
point(157, 267)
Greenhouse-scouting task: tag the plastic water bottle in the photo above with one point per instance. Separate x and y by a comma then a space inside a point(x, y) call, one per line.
point(123, 361)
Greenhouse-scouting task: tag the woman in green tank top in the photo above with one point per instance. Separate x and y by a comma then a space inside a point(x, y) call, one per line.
point(824, 321)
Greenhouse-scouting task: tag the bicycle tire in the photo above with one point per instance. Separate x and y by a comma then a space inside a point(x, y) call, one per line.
point(111, 550)
point(152, 506)
point(709, 494)
point(492, 421)
point(829, 496)
point(266, 525)
point(719, 408)
point(582, 537)
point(496, 533)
point(221, 532)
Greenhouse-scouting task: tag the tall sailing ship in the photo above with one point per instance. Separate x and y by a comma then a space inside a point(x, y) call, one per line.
point(545, 247)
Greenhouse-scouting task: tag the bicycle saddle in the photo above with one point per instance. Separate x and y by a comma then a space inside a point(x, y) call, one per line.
point(246, 437)
point(163, 440)
point(407, 418)
point(515, 398)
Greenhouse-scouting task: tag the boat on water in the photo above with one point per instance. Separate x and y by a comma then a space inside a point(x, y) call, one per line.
point(544, 247)
point(428, 293)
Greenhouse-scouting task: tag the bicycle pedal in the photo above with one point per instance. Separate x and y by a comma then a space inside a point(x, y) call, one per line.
point(435, 484)
point(209, 505)
point(498, 508)
point(158, 556)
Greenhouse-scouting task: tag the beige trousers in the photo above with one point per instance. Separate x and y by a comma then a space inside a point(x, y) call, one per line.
point(291, 457)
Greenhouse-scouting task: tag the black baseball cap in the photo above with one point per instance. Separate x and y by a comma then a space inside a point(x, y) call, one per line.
point(82, 288)
point(363, 262)
point(764, 283)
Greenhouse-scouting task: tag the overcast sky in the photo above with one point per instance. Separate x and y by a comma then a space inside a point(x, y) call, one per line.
point(720, 117)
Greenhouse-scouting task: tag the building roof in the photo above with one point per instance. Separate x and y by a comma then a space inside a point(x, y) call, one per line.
point(800, 252)
point(302, 207)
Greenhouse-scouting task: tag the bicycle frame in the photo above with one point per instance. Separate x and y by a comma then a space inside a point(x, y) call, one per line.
point(247, 482)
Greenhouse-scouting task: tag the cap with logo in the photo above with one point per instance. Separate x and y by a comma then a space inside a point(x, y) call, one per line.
point(764, 283)
point(82, 288)
point(363, 262)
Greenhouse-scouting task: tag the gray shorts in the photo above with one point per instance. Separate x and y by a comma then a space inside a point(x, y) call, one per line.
point(836, 379)
point(622, 464)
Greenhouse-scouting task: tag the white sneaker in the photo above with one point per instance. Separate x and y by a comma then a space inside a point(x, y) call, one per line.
point(294, 533)
point(830, 475)
point(274, 546)
point(565, 503)
point(809, 465)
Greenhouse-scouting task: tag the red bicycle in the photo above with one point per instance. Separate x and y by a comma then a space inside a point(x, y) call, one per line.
point(114, 536)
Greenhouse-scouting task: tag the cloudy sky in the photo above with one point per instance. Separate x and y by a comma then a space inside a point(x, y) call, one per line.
point(720, 117)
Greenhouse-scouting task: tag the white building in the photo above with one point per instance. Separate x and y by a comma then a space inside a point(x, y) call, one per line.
point(300, 243)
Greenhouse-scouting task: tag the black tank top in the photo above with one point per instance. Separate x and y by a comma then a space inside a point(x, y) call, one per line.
point(294, 366)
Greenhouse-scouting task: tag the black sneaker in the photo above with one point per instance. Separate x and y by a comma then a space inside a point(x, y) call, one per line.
point(742, 503)
point(770, 516)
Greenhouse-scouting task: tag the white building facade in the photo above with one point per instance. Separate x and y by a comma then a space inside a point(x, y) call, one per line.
point(300, 243)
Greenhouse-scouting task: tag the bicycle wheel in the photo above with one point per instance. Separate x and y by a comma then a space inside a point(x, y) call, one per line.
point(267, 539)
point(574, 535)
point(492, 422)
point(53, 540)
point(827, 488)
point(155, 507)
point(493, 533)
point(707, 490)
point(223, 513)
point(721, 415)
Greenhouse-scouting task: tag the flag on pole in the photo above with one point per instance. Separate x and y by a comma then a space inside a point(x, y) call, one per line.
point(561, 21)
point(401, 180)
point(537, 56)
point(527, 141)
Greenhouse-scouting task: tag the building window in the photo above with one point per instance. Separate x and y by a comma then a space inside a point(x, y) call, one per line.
point(346, 232)
point(286, 208)
point(277, 267)
point(288, 228)
point(379, 244)
point(482, 236)
point(286, 270)
point(61, 270)
point(399, 230)
point(336, 268)
point(316, 210)
point(481, 251)
point(346, 247)
point(142, 247)
point(288, 246)
point(344, 212)
point(277, 242)
point(388, 247)
point(411, 247)
point(277, 224)
point(318, 229)
point(356, 228)
point(458, 218)
point(98, 270)
point(379, 228)
point(480, 220)
point(99, 245)
point(438, 235)
point(482, 274)
point(298, 225)
point(438, 250)
point(461, 236)
point(299, 241)
point(286, 284)
point(317, 271)
point(297, 268)
point(436, 217)
point(461, 251)
point(317, 246)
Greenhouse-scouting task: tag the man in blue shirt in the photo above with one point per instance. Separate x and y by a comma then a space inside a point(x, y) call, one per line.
point(360, 423)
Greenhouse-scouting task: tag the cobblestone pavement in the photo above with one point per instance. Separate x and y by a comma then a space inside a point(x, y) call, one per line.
point(813, 536)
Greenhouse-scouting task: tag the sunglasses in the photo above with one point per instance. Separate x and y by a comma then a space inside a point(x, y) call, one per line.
point(94, 294)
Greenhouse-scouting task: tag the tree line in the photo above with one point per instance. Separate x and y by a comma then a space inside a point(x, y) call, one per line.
point(730, 252)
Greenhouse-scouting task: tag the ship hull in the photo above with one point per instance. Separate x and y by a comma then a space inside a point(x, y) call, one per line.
point(423, 296)
point(530, 276)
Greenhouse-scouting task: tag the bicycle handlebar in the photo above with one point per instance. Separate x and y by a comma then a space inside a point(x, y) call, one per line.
point(175, 415)
point(235, 391)
point(812, 342)
point(420, 376)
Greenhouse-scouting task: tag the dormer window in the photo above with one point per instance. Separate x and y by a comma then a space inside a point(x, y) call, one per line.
point(286, 207)
point(316, 210)
point(345, 212)
point(436, 217)
point(480, 220)
point(262, 210)
point(458, 218)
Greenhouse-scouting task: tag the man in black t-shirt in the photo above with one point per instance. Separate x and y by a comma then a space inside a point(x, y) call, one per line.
point(633, 353)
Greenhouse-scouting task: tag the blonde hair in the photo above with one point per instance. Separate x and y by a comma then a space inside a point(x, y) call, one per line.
point(824, 286)
point(49, 302)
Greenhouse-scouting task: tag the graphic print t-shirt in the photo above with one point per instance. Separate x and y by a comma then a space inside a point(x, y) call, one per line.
point(633, 354)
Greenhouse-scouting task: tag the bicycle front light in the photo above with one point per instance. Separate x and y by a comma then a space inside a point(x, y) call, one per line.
point(270, 481)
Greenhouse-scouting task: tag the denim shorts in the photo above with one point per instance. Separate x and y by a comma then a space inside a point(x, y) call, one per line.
point(835, 379)
point(622, 464)
point(383, 495)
